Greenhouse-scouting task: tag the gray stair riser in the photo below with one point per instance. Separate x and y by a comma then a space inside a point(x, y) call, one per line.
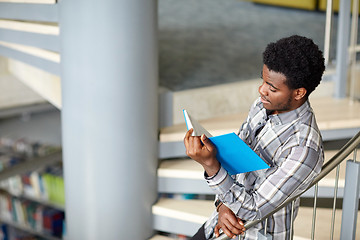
point(179, 185)
point(177, 149)
point(199, 186)
point(166, 224)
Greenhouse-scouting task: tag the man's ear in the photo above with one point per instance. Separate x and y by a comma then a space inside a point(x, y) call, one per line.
point(300, 93)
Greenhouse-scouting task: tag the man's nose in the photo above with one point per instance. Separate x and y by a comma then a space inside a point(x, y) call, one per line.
point(262, 90)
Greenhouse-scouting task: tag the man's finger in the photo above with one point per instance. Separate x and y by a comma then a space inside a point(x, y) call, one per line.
point(233, 223)
point(242, 224)
point(236, 230)
point(188, 133)
point(216, 230)
point(228, 232)
point(197, 143)
point(191, 143)
point(207, 143)
point(186, 138)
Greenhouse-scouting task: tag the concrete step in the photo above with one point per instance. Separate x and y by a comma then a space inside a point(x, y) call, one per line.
point(160, 237)
point(34, 62)
point(43, 83)
point(186, 176)
point(229, 98)
point(15, 95)
point(332, 124)
point(181, 216)
point(186, 216)
point(182, 176)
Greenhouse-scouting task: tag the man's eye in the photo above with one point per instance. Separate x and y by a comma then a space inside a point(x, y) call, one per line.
point(272, 89)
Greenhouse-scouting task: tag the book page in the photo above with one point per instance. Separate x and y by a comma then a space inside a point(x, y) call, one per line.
point(192, 123)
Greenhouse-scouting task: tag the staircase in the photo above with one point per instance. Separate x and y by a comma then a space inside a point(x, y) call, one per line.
point(186, 176)
point(30, 46)
point(32, 56)
point(178, 174)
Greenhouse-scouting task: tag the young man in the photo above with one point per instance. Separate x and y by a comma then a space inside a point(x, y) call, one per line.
point(281, 128)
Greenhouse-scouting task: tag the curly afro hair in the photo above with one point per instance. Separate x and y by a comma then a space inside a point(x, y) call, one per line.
point(299, 59)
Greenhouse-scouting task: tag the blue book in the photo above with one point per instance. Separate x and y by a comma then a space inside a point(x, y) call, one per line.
point(232, 152)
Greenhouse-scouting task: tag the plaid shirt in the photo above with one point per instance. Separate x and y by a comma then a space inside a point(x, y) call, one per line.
point(291, 144)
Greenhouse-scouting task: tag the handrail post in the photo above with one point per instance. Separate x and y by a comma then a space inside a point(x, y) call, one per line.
point(355, 153)
point(350, 201)
point(263, 235)
point(314, 212)
point(342, 61)
point(265, 227)
point(353, 41)
point(334, 203)
point(292, 220)
point(328, 27)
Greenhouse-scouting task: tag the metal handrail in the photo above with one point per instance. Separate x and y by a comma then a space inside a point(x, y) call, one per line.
point(340, 156)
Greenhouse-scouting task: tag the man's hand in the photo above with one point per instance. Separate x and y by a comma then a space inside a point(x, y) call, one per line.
point(229, 223)
point(203, 151)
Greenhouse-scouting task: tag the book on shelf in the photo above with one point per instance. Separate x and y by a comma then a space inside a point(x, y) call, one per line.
point(31, 215)
point(42, 185)
point(53, 222)
point(31, 201)
point(232, 152)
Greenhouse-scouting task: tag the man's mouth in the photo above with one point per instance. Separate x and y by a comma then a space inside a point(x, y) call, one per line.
point(264, 100)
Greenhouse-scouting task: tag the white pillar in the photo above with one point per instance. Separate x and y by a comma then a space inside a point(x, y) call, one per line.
point(109, 117)
point(342, 54)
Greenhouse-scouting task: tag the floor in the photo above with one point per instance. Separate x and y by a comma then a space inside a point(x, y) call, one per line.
point(207, 42)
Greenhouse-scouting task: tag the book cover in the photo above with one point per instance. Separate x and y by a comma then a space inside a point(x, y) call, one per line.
point(232, 152)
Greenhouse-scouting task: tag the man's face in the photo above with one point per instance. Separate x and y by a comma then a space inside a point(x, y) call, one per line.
point(275, 94)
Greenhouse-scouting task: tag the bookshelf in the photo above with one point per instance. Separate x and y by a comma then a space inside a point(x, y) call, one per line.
point(28, 229)
point(28, 198)
point(35, 199)
point(31, 165)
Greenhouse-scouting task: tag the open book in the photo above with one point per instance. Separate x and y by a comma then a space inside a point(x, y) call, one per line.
point(232, 152)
